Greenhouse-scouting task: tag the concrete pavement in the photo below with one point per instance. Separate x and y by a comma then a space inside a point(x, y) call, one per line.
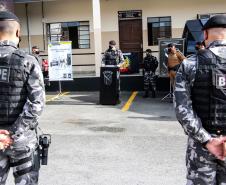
point(101, 145)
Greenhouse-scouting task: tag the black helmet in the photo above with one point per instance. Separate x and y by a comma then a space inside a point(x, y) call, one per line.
point(217, 21)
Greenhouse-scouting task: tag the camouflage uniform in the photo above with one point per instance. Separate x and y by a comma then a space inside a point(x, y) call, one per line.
point(39, 59)
point(150, 66)
point(22, 154)
point(202, 167)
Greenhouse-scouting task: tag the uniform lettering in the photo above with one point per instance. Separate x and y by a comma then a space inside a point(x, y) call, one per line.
point(4, 74)
point(222, 81)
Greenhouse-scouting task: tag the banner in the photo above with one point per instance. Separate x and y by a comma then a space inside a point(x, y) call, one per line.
point(163, 43)
point(60, 61)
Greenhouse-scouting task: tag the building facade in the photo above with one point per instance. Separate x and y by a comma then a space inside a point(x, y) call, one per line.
point(134, 24)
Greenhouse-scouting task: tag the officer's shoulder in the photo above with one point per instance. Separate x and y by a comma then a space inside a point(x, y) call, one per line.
point(20, 53)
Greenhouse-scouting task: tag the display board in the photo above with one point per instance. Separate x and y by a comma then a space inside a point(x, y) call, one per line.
point(60, 61)
point(179, 43)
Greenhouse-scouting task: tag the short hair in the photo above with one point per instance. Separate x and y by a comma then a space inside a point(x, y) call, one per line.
point(8, 26)
point(35, 47)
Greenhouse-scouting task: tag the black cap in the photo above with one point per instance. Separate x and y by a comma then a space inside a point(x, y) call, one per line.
point(170, 45)
point(8, 16)
point(112, 42)
point(148, 50)
point(217, 21)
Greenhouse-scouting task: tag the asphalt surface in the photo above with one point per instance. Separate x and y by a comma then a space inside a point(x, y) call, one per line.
point(101, 145)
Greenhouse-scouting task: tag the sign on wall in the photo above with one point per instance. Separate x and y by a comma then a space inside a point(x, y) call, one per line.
point(163, 43)
point(60, 61)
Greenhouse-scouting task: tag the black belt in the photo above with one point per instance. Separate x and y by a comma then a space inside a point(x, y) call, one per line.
point(174, 68)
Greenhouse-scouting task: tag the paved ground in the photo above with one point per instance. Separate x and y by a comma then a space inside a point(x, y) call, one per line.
point(101, 145)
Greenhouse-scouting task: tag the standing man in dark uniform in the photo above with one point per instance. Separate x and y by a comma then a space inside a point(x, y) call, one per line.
point(150, 66)
point(22, 98)
point(35, 53)
point(200, 104)
point(112, 55)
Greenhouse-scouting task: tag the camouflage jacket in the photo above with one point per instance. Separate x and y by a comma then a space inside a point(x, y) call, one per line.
point(35, 88)
point(183, 104)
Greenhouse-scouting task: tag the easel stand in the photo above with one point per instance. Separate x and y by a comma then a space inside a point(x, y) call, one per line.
point(169, 95)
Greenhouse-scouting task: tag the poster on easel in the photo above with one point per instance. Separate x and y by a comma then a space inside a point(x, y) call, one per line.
point(60, 61)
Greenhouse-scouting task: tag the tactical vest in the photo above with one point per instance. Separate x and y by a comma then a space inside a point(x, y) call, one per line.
point(111, 57)
point(13, 93)
point(150, 63)
point(209, 91)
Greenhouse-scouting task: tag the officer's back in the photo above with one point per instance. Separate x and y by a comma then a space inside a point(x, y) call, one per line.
point(22, 99)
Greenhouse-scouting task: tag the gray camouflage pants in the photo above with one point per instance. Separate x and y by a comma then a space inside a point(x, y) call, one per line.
point(203, 168)
point(22, 158)
point(149, 81)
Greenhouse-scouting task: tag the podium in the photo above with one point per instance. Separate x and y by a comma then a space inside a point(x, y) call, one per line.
point(109, 85)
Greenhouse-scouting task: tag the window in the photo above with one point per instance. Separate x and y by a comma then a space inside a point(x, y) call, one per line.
point(158, 27)
point(77, 32)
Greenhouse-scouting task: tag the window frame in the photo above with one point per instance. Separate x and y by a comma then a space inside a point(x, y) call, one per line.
point(152, 41)
point(80, 24)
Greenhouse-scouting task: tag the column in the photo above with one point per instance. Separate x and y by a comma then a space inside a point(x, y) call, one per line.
point(97, 35)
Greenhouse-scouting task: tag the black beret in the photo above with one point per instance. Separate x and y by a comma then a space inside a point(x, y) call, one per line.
point(217, 21)
point(148, 50)
point(8, 16)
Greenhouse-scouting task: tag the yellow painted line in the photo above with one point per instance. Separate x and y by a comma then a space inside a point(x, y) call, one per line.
point(57, 96)
point(129, 102)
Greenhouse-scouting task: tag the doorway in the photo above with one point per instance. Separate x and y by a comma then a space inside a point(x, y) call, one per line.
point(131, 33)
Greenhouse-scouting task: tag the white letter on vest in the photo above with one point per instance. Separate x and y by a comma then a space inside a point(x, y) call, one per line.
point(222, 81)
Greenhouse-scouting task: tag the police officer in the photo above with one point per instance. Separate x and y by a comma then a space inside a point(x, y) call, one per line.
point(200, 104)
point(22, 100)
point(35, 53)
point(112, 55)
point(150, 66)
